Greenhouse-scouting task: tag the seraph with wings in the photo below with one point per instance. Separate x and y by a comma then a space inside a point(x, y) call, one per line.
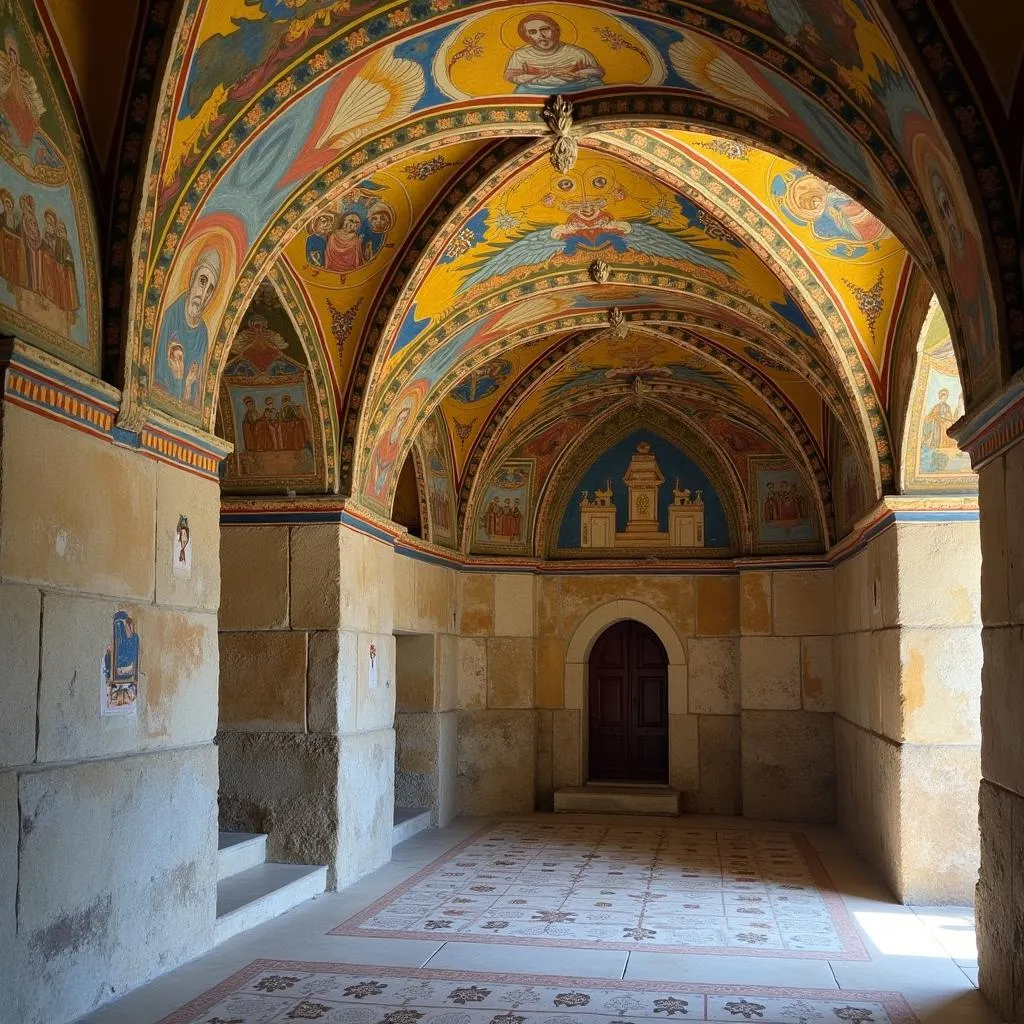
point(540, 244)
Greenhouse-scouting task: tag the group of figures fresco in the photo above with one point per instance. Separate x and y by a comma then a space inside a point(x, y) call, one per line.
point(40, 252)
point(266, 403)
point(353, 235)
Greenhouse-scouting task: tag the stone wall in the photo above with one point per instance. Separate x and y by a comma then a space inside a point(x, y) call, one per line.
point(306, 741)
point(1000, 893)
point(908, 672)
point(108, 831)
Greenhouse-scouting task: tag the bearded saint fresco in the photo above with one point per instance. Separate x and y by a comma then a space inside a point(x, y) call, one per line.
point(546, 66)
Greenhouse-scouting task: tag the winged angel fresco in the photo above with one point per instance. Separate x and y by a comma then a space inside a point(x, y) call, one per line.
point(590, 228)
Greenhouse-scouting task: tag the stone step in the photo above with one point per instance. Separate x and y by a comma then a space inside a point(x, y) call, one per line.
point(602, 799)
point(261, 893)
point(409, 821)
point(239, 851)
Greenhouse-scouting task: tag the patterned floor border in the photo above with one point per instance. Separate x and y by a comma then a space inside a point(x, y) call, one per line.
point(853, 946)
point(841, 1001)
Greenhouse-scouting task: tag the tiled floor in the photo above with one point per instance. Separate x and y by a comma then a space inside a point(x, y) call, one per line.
point(923, 959)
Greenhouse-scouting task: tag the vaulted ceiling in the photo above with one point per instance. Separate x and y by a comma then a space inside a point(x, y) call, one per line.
point(720, 235)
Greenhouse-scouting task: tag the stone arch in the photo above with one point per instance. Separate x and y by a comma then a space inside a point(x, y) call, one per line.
point(578, 653)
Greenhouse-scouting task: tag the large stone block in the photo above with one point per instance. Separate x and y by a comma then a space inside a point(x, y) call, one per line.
point(332, 681)
point(315, 578)
point(510, 672)
point(1014, 541)
point(472, 673)
point(513, 604)
point(476, 604)
point(496, 762)
point(684, 753)
point(550, 672)
point(1002, 707)
point(755, 603)
point(941, 684)
point(549, 612)
point(87, 523)
point(939, 785)
point(718, 611)
point(673, 596)
point(118, 876)
point(719, 756)
point(770, 672)
point(416, 759)
point(366, 803)
point(415, 663)
point(939, 574)
point(375, 709)
point(713, 675)
point(263, 681)
point(434, 591)
point(994, 536)
point(285, 785)
point(446, 807)
point(566, 754)
point(789, 767)
point(544, 787)
point(447, 673)
point(177, 695)
point(802, 602)
point(10, 950)
point(885, 695)
point(367, 583)
point(816, 673)
point(1001, 816)
point(254, 577)
point(181, 493)
point(19, 672)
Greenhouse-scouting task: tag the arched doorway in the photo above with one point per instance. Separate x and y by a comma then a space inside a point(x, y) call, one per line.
point(628, 705)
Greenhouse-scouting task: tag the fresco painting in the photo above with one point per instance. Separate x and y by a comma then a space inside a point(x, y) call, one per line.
point(543, 51)
point(48, 282)
point(268, 408)
point(436, 453)
point(642, 494)
point(197, 294)
point(503, 513)
point(932, 460)
point(120, 673)
point(849, 491)
point(784, 510)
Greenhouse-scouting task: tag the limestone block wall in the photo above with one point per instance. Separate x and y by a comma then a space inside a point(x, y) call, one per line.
point(1000, 893)
point(306, 728)
point(107, 822)
point(786, 695)
point(908, 670)
point(426, 711)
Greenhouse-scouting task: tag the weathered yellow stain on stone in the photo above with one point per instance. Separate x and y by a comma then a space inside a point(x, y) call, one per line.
point(263, 681)
point(550, 672)
point(476, 604)
point(756, 602)
point(717, 605)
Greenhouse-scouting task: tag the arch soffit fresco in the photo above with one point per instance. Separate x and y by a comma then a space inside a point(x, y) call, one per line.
point(870, 417)
point(791, 437)
point(850, 109)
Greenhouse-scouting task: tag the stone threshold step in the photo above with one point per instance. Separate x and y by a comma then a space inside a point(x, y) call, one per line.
point(239, 851)
point(409, 821)
point(260, 894)
point(605, 799)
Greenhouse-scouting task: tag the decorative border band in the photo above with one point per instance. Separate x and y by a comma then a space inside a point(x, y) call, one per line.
point(997, 425)
point(49, 387)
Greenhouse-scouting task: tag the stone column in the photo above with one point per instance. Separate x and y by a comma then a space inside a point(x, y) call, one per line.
point(995, 438)
point(307, 739)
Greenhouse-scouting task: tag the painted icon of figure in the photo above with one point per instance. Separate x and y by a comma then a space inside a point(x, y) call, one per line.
point(771, 505)
point(293, 426)
point(830, 214)
point(121, 662)
point(183, 340)
point(272, 418)
point(67, 288)
point(13, 267)
point(20, 101)
point(32, 240)
point(253, 427)
point(183, 538)
point(318, 231)
point(790, 503)
point(344, 250)
point(386, 451)
point(938, 421)
point(545, 65)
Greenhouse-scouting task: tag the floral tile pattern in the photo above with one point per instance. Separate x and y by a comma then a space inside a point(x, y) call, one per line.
point(660, 888)
point(284, 991)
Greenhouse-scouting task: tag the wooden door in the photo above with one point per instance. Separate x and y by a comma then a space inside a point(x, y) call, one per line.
point(628, 705)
